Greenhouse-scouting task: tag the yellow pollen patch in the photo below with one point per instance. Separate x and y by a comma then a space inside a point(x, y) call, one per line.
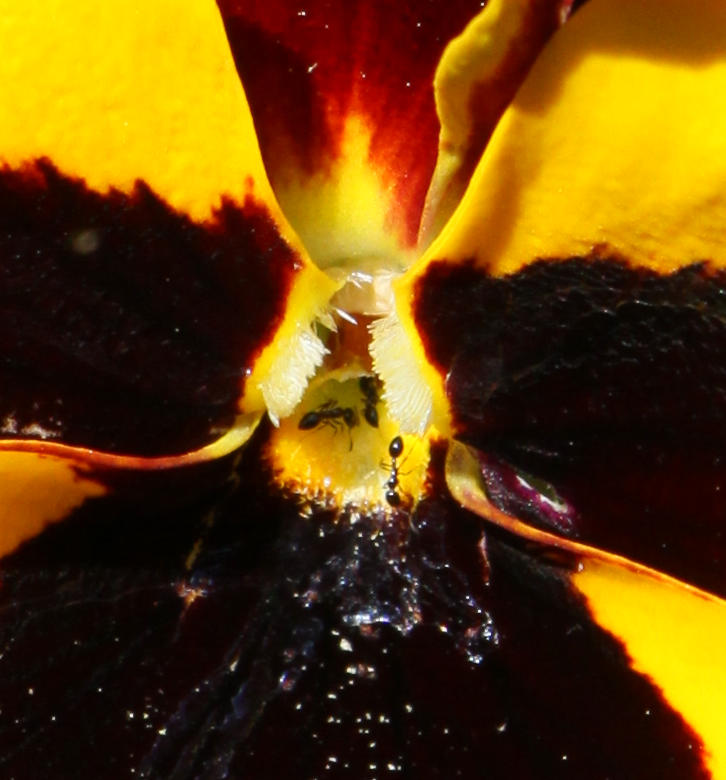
point(338, 457)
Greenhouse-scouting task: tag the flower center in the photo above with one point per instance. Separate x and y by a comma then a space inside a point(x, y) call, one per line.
point(342, 447)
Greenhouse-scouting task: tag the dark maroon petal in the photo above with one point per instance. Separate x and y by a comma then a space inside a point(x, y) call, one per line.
point(295, 643)
point(125, 326)
point(606, 382)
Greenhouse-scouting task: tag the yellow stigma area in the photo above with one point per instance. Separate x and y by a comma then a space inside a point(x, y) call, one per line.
point(338, 457)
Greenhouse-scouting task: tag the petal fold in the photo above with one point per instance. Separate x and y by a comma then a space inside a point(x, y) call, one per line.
point(476, 80)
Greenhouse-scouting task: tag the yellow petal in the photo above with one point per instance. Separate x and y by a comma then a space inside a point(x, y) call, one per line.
point(122, 91)
point(125, 90)
point(616, 142)
point(37, 490)
point(615, 146)
point(42, 483)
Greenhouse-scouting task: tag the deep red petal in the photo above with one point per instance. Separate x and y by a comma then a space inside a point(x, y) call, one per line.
point(307, 69)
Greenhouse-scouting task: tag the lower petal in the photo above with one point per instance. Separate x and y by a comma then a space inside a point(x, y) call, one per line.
point(250, 638)
point(674, 636)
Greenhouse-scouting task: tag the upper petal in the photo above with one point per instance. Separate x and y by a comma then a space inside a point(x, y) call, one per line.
point(616, 140)
point(478, 76)
point(109, 95)
point(342, 100)
point(612, 148)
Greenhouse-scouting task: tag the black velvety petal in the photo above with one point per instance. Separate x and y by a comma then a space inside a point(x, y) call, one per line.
point(606, 381)
point(125, 326)
point(294, 644)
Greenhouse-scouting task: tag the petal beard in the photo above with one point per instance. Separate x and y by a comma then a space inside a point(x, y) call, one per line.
point(343, 105)
point(289, 640)
point(150, 281)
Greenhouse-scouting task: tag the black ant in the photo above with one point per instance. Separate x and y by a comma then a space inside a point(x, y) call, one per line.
point(395, 448)
point(369, 388)
point(330, 415)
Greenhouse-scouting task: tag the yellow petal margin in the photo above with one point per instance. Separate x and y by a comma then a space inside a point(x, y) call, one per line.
point(675, 635)
point(122, 90)
point(37, 490)
point(672, 632)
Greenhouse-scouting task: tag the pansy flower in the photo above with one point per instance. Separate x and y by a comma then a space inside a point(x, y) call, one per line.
point(363, 388)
